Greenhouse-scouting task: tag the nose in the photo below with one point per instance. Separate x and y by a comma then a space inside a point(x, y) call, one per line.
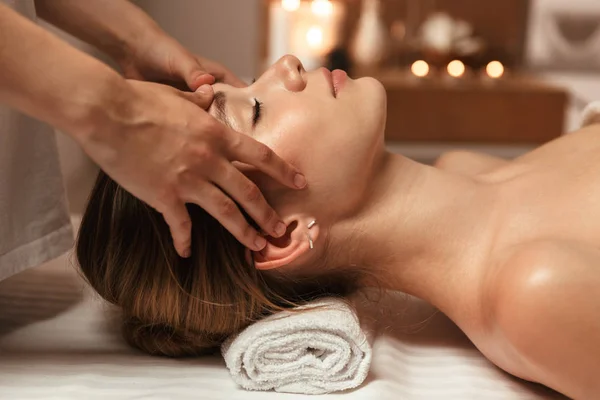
point(290, 71)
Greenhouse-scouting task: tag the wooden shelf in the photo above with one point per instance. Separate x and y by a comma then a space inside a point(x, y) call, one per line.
point(518, 109)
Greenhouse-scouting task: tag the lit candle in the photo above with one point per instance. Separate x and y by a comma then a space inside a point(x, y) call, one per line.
point(290, 5)
point(322, 8)
point(495, 69)
point(314, 37)
point(315, 29)
point(456, 68)
point(420, 68)
point(279, 30)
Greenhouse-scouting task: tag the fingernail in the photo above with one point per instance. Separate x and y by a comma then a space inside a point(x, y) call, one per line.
point(207, 78)
point(205, 89)
point(299, 181)
point(186, 253)
point(260, 243)
point(280, 229)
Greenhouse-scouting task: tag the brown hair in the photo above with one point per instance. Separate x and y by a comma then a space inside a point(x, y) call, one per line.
point(174, 306)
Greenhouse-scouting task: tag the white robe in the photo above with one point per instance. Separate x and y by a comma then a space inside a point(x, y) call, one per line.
point(34, 222)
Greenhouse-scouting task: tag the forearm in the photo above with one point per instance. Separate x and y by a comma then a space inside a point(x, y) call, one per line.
point(116, 27)
point(44, 77)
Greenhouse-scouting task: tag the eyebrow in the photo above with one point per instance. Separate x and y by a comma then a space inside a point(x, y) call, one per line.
point(220, 101)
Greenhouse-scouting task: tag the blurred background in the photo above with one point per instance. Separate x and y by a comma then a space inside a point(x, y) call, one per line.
point(500, 76)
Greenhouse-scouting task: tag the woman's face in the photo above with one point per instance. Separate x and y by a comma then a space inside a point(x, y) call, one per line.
point(328, 125)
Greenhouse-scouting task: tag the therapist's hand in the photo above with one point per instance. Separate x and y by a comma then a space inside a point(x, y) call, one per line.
point(220, 72)
point(164, 148)
point(160, 58)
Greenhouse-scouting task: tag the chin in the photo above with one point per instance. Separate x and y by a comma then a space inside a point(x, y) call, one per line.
point(376, 97)
point(375, 86)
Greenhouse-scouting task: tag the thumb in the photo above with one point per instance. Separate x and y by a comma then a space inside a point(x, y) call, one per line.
point(203, 97)
point(193, 73)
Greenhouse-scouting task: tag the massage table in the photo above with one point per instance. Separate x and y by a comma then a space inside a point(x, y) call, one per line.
point(59, 340)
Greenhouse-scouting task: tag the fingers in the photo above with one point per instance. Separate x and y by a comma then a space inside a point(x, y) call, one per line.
point(180, 224)
point(221, 73)
point(249, 151)
point(250, 198)
point(224, 210)
point(200, 79)
point(203, 97)
point(193, 73)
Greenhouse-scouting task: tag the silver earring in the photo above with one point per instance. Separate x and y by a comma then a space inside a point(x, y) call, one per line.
point(310, 241)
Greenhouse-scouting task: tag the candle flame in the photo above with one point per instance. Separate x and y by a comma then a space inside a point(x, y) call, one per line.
point(314, 37)
point(495, 69)
point(456, 68)
point(290, 5)
point(322, 8)
point(420, 68)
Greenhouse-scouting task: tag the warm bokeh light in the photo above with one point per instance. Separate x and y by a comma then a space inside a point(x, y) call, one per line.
point(420, 68)
point(290, 5)
point(456, 68)
point(314, 36)
point(495, 69)
point(322, 8)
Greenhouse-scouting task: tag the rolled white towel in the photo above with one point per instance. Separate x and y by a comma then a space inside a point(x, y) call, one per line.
point(321, 349)
point(591, 114)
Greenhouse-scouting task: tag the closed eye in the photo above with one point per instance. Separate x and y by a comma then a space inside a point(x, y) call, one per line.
point(257, 112)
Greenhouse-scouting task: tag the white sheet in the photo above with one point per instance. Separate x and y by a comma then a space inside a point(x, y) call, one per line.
point(57, 342)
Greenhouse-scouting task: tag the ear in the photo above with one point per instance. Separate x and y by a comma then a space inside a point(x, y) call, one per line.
point(291, 246)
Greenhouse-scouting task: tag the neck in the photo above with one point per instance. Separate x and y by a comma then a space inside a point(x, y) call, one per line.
point(417, 231)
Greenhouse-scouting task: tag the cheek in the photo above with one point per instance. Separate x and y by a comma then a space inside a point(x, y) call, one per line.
point(332, 143)
point(294, 132)
point(336, 138)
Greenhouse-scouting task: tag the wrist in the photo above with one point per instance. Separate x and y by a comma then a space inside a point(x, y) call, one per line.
point(101, 105)
point(132, 46)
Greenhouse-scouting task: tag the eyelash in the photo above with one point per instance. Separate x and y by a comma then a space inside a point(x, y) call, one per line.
point(257, 112)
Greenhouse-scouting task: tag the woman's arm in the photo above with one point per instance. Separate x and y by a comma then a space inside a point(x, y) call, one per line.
point(46, 78)
point(548, 309)
point(129, 36)
point(468, 163)
point(117, 27)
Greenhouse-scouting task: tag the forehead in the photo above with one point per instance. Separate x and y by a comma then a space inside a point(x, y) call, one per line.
point(229, 105)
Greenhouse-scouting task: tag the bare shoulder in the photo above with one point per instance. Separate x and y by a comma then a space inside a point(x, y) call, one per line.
point(546, 305)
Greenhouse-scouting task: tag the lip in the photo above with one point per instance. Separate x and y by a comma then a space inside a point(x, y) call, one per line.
point(339, 78)
point(329, 77)
point(336, 80)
